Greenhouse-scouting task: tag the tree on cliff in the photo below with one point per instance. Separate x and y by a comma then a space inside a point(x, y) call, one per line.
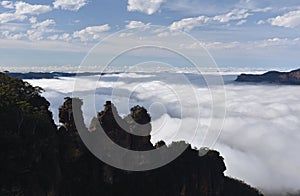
point(27, 140)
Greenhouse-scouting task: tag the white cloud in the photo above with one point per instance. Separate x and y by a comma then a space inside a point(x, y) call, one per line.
point(22, 9)
point(136, 24)
point(290, 20)
point(91, 33)
point(7, 4)
point(266, 9)
point(36, 32)
point(33, 20)
point(188, 24)
point(271, 43)
point(7, 17)
point(39, 29)
point(241, 22)
point(34, 35)
point(8, 35)
point(146, 6)
point(53, 37)
point(63, 37)
point(26, 8)
point(44, 24)
point(221, 45)
point(261, 22)
point(235, 14)
point(72, 5)
point(281, 42)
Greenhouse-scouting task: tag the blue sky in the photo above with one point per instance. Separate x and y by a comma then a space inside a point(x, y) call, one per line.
point(238, 33)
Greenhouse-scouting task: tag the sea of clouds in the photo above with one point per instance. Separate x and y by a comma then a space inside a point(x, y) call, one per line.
point(259, 138)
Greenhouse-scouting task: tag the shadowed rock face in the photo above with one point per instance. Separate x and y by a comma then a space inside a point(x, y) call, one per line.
point(292, 77)
point(188, 175)
point(37, 159)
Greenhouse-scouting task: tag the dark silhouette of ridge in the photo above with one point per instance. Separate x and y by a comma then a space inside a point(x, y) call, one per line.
point(49, 75)
point(292, 77)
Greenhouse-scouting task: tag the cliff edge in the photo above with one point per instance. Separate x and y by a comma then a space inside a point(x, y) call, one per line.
point(291, 78)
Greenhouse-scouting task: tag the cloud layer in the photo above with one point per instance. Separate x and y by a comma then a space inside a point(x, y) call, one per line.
point(260, 137)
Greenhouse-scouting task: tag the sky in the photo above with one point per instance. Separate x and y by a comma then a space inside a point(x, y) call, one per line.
point(237, 33)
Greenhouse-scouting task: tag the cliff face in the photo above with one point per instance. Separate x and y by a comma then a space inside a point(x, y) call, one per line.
point(292, 77)
point(38, 159)
point(29, 155)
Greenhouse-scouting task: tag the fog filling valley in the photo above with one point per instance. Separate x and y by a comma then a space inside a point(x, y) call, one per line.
point(260, 134)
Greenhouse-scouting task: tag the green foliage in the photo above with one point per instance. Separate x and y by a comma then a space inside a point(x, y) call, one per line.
point(16, 94)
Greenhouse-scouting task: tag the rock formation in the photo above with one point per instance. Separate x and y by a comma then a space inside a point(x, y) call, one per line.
point(292, 77)
point(189, 174)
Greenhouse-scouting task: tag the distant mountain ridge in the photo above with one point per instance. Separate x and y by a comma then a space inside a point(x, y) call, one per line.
point(49, 75)
point(291, 78)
